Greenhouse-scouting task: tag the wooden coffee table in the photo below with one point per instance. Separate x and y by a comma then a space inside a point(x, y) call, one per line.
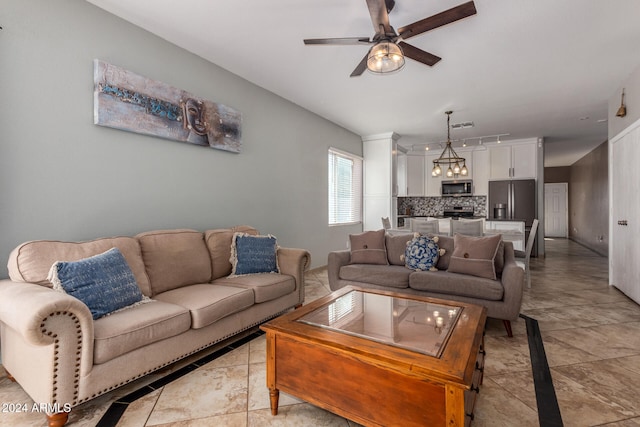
point(380, 358)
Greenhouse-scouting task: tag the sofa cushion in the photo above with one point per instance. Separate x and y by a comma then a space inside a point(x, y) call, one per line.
point(368, 248)
point(218, 242)
point(31, 261)
point(396, 246)
point(422, 253)
point(265, 287)
point(394, 276)
point(446, 243)
point(207, 302)
point(175, 258)
point(444, 282)
point(141, 325)
point(253, 254)
point(475, 255)
point(103, 282)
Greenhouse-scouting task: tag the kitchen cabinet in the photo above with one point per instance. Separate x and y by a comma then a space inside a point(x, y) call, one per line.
point(402, 174)
point(380, 180)
point(480, 172)
point(509, 161)
point(432, 183)
point(415, 175)
point(624, 221)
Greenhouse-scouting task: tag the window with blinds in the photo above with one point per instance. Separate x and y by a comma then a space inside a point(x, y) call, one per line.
point(345, 188)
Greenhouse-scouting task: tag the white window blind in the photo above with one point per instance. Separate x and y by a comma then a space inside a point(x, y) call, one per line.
point(345, 188)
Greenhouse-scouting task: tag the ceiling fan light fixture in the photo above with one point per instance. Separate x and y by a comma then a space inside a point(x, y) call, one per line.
point(385, 57)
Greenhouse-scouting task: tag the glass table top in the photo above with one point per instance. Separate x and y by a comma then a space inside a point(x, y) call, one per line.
point(402, 322)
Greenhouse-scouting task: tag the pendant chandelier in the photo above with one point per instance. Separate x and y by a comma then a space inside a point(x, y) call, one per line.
point(449, 158)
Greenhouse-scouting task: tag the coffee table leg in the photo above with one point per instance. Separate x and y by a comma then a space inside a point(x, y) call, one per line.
point(274, 396)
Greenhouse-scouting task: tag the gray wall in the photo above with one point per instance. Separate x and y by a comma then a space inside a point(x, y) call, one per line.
point(557, 174)
point(62, 177)
point(589, 200)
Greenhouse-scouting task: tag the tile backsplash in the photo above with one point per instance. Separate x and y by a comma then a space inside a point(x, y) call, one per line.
point(434, 206)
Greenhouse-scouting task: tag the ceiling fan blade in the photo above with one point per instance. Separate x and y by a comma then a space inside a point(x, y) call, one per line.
point(362, 66)
point(435, 21)
point(379, 16)
point(419, 54)
point(339, 41)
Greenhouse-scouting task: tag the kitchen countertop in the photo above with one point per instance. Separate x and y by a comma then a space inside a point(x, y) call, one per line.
point(439, 216)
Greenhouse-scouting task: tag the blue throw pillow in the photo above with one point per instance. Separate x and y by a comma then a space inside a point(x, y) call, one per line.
point(104, 282)
point(254, 254)
point(422, 253)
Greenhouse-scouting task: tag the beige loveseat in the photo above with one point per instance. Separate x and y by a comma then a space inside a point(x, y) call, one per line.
point(61, 356)
point(502, 297)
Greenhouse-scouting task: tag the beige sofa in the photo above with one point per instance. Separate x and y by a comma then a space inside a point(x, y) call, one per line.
point(62, 357)
point(502, 297)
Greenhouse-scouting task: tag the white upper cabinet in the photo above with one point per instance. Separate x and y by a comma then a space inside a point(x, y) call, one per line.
point(481, 170)
point(432, 184)
point(402, 174)
point(524, 160)
point(513, 161)
point(415, 175)
point(500, 162)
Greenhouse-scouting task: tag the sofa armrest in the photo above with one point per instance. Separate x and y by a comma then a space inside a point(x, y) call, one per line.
point(335, 262)
point(512, 282)
point(58, 329)
point(294, 262)
point(24, 307)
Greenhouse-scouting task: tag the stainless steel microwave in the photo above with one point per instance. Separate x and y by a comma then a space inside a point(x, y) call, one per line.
point(457, 188)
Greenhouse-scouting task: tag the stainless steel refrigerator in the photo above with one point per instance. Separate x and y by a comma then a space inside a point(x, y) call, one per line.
point(514, 200)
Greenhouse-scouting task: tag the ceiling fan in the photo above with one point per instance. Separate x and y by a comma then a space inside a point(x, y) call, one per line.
point(389, 48)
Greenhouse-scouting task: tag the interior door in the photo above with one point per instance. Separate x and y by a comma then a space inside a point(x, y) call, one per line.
point(556, 219)
point(625, 210)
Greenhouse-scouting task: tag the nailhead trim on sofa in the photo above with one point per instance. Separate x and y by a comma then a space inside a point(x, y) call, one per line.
point(56, 351)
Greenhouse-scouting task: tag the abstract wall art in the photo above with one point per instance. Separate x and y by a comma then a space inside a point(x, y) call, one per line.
point(127, 101)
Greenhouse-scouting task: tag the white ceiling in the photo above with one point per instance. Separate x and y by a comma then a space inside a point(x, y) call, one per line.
point(543, 68)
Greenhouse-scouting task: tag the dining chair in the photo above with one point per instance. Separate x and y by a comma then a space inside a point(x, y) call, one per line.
point(522, 257)
point(423, 226)
point(386, 224)
point(468, 228)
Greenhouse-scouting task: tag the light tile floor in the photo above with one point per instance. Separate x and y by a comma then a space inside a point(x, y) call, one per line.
point(591, 334)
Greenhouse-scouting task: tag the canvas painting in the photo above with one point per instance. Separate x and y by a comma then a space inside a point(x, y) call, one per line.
point(127, 101)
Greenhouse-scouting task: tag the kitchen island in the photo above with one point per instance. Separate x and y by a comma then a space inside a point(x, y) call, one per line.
point(511, 230)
